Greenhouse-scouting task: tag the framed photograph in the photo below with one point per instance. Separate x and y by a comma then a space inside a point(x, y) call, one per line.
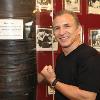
point(45, 40)
point(73, 5)
point(94, 38)
point(44, 4)
point(93, 6)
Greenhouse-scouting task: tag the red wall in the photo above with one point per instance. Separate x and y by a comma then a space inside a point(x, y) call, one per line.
point(44, 20)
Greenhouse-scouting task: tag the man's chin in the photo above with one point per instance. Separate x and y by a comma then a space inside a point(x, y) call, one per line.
point(65, 46)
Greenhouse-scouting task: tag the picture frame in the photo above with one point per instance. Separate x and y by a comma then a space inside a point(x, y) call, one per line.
point(45, 40)
point(93, 6)
point(94, 38)
point(44, 5)
point(73, 5)
point(82, 34)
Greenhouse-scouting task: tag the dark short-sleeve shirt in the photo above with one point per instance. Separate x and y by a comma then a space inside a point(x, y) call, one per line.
point(80, 68)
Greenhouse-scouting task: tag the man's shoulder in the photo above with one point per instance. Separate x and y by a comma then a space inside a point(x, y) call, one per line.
point(87, 52)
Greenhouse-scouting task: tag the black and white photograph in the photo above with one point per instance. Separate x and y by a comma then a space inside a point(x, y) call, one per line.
point(73, 5)
point(95, 39)
point(44, 4)
point(94, 6)
point(45, 40)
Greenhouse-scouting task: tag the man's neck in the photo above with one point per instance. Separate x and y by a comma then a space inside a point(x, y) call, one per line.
point(68, 50)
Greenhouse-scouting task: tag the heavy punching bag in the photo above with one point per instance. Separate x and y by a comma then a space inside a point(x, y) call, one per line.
point(17, 50)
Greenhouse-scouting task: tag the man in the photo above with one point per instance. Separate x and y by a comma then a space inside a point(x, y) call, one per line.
point(76, 75)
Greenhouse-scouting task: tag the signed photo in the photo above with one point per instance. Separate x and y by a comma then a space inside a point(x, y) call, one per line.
point(45, 40)
point(44, 4)
point(94, 6)
point(95, 39)
point(73, 5)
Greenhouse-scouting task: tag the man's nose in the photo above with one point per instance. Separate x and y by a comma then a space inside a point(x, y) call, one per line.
point(61, 31)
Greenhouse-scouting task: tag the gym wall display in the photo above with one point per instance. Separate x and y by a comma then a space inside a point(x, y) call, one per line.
point(93, 6)
point(74, 5)
point(89, 16)
point(94, 38)
point(44, 4)
point(45, 40)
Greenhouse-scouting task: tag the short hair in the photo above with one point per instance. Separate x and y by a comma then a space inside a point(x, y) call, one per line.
point(70, 13)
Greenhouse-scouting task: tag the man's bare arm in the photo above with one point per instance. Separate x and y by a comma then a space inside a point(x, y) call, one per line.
point(74, 93)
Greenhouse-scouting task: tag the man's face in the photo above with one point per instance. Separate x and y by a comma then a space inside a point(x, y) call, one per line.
point(65, 30)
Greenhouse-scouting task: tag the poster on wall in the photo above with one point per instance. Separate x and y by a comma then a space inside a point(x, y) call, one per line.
point(44, 4)
point(45, 40)
point(94, 6)
point(73, 5)
point(94, 36)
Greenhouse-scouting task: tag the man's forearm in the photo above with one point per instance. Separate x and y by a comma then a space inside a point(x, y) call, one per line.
point(74, 93)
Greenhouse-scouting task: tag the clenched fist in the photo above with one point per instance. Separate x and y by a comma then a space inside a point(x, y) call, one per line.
point(48, 73)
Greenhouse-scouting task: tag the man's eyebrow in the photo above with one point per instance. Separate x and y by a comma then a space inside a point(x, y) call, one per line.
point(65, 24)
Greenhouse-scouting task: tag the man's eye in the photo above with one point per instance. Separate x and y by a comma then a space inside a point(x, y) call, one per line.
point(55, 28)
